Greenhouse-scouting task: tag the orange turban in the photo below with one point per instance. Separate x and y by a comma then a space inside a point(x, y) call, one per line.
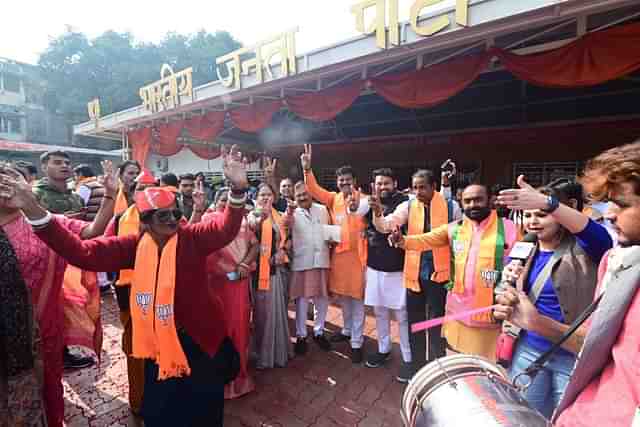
point(146, 177)
point(153, 198)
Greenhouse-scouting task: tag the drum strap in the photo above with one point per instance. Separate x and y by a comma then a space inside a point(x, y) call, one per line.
point(539, 363)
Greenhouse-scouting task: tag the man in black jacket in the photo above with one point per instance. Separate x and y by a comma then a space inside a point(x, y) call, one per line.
point(384, 289)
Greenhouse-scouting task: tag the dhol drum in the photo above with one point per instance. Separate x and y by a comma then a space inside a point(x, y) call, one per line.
point(465, 391)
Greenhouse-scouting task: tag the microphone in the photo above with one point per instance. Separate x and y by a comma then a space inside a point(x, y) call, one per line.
point(520, 253)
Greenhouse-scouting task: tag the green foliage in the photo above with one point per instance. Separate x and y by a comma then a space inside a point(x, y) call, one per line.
point(113, 66)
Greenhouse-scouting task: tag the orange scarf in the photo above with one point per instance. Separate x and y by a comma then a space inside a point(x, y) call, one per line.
point(129, 225)
point(121, 203)
point(348, 223)
point(438, 215)
point(488, 264)
point(266, 242)
point(152, 309)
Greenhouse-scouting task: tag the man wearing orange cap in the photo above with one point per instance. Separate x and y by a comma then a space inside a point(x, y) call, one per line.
point(178, 327)
point(125, 224)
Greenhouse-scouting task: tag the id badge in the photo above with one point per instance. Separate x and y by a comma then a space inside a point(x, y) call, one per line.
point(636, 418)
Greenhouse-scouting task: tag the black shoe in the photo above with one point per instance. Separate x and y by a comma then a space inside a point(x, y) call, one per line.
point(322, 342)
point(339, 337)
point(356, 355)
point(406, 372)
point(301, 346)
point(73, 361)
point(378, 359)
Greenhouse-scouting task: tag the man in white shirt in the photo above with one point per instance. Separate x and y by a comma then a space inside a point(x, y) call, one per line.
point(310, 262)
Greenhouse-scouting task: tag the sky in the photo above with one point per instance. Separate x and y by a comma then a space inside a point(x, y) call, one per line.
point(321, 22)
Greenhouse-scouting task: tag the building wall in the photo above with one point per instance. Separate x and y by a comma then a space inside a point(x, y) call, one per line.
point(21, 99)
point(491, 154)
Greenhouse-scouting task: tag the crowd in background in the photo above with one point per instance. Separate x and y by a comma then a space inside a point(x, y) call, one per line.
point(234, 257)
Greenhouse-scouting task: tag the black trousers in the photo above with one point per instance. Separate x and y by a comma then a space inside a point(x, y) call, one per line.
point(193, 401)
point(421, 306)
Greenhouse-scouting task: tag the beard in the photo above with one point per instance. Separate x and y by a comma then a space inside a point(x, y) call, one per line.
point(477, 214)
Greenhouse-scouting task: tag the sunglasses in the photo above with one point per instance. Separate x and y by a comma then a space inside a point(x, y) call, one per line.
point(167, 216)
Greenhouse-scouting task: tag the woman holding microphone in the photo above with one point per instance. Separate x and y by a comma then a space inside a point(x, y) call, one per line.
point(555, 285)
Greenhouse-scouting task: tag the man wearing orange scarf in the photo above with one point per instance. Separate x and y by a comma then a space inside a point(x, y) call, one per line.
point(178, 326)
point(478, 246)
point(348, 262)
point(426, 274)
point(125, 224)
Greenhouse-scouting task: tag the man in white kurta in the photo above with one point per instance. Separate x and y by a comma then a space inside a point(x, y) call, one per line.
point(310, 264)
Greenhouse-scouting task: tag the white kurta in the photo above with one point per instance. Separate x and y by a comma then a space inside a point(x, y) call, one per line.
point(309, 249)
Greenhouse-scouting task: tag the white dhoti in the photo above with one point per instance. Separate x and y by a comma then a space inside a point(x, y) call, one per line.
point(386, 293)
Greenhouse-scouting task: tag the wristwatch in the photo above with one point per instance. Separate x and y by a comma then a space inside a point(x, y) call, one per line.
point(552, 204)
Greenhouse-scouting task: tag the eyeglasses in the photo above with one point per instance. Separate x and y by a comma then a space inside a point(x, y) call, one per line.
point(167, 216)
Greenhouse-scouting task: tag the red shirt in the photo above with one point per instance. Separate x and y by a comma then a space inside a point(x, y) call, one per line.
point(611, 399)
point(198, 312)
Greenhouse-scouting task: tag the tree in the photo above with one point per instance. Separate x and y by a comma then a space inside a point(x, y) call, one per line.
point(112, 67)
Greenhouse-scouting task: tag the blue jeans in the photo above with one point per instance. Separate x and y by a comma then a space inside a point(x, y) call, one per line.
point(545, 391)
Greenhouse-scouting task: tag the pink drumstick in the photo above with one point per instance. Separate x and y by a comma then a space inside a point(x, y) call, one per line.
point(421, 326)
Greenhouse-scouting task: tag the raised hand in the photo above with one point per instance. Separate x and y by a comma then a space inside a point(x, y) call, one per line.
point(524, 197)
point(269, 168)
point(291, 206)
point(374, 201)
point(109, 178)
point(15, 191)
point(396, 239)
point(234, 167)
point(305, 158)
point(199, 197)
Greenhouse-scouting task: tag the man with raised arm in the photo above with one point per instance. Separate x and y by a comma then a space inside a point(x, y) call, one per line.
point(178, 326)
point(348, 263)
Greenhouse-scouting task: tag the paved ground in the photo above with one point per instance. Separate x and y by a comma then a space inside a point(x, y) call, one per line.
point(320, 389)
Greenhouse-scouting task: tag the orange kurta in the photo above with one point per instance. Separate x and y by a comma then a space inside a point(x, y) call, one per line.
point(346, 277)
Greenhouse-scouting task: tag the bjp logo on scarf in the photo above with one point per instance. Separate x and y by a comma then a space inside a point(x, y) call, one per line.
point(490, 277)
point(164, 312)
point(143, 300)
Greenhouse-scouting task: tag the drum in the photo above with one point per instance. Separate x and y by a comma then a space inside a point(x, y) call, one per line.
point(464, 391)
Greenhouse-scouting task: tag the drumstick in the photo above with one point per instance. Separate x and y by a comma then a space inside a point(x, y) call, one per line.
point(421, 326)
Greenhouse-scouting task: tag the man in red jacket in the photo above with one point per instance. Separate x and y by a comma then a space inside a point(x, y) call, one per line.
point(178, 326)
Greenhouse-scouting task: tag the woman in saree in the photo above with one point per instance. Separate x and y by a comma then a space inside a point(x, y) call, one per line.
point(229, 274)
point(271, 319)
point(28, 266)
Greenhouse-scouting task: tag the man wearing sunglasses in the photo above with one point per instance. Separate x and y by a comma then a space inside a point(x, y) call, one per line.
point(178, 326)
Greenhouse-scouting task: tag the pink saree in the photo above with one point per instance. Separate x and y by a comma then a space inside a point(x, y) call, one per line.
point(43, 272)
point(234, 294)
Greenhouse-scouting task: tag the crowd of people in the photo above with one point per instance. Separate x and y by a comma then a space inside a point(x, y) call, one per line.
point(203, 280)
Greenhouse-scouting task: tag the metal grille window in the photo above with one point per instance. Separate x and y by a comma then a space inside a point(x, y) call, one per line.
point(538, 174)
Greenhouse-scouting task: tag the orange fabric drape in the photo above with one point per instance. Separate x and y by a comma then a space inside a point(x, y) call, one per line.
point(205, 128)
point(432, 85)
point(140, 143)
point(325, 104)
point(253, 118)
point(207, 152)
point(166, 143)
point(593, 59)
